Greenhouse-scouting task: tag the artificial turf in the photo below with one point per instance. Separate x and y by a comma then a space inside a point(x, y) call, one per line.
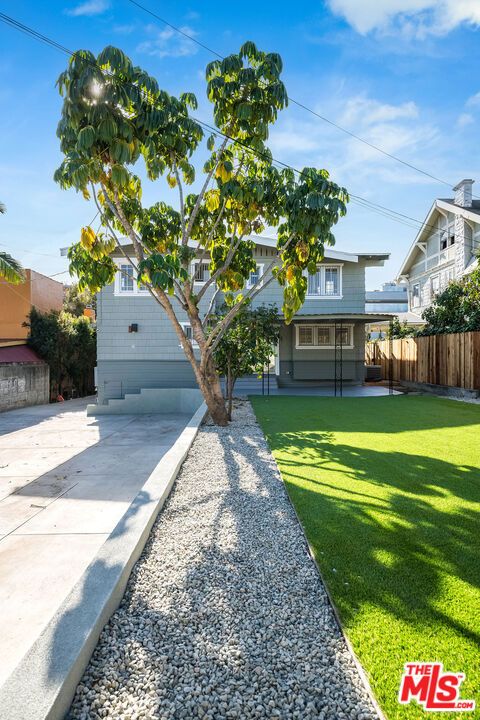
point(388, 492)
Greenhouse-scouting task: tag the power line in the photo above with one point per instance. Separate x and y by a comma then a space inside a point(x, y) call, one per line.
point(374, 207)
point(298, 103)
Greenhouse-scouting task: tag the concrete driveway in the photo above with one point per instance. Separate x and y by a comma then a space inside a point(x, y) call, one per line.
point(65, 481)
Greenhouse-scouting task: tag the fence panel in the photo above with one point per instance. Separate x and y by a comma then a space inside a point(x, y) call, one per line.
point(452, 360)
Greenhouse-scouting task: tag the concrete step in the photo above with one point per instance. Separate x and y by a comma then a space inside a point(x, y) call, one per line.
point(151, 401)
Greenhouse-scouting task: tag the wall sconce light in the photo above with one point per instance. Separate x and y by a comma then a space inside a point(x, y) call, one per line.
point(133, 327)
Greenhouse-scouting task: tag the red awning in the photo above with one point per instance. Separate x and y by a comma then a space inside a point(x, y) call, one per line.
point(19, 354)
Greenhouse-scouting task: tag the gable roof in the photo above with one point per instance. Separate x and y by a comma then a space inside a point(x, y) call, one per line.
point(446, 204)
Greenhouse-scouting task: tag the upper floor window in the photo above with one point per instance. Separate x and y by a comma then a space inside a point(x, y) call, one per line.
point(255, 276)
point(126, 278)
point(326, 282)
point(201, 272)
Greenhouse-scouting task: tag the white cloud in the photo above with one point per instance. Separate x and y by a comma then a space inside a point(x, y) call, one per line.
point(90, 7)
point(464, 119)
point(415, 18)
point(473, 101)
point(168, 43)
point(397, 129)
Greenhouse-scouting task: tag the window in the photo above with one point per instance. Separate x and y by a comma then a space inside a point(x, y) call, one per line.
point(201, 271)
point(306, 335)
point(343, 336)
point(435, 284)
point(415, 295)
point(326, 282)
point(331, 281)
point(126, 279)
point(443, 240)
point(323, 336)
point(254, 276)
point(187, 329)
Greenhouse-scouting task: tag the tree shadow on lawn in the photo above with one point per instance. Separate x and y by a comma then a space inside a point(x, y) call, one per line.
point(244, 588)
point(396, 532)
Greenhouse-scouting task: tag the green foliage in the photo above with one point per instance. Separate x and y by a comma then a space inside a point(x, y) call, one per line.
point(456, 309)
point(77, 300)
point(400, 330)
point(10, 269)
point(248, 345)
point(68, 344)
point(114, 113)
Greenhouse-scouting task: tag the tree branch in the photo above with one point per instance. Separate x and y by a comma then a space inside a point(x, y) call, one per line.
point(231, 252)
point(201, 195)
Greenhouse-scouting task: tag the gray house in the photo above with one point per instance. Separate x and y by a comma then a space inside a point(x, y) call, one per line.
point(138, 347)
point(444, 249)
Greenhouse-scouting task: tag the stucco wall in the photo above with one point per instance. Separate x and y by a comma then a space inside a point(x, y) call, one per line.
point(22, 385)
point(16, 302)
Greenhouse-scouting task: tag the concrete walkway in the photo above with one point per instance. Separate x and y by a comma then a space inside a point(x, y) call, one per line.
point(65, 482)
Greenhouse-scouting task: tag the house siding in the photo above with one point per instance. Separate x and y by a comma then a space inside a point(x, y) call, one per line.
point(153, 357)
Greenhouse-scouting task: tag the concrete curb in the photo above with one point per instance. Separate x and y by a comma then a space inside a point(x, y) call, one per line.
point(43, 684)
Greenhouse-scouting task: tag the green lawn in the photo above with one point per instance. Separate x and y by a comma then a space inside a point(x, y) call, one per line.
point(388, 491)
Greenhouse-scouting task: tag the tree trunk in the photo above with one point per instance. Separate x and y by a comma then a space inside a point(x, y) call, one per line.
point(209, 383)
point(231, 383)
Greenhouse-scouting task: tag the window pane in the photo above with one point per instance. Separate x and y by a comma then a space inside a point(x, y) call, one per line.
point(126, 278)
point(343, 336)
point(254, 276)
point(187, 329)
point(201, 272)
point(323, 335)
point(331, 281)
point(305, 336)
point(314, 284)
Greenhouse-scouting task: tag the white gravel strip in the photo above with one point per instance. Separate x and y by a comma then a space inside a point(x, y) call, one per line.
point(224, 615)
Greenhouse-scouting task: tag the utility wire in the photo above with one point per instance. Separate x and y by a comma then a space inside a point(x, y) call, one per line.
point(374, 207)
point(297, 102)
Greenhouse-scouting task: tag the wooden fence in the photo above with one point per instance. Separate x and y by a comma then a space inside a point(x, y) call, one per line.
point(452, 360)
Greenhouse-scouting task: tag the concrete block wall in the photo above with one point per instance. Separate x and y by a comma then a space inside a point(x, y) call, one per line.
point(23, 385)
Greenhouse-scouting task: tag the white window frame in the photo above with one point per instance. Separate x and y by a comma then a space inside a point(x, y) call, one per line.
point(321, 269)
point(250, 284)
point(418, 298)
point(316, 346)
point(118, 292)
point(193, 341)
point(193, 270)
point(432, 279)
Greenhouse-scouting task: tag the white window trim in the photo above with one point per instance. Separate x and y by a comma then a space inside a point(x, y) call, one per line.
point(193, 270)
point(350, 346)
point(322, 267)
point(249, 285)
point(193, 341)
point(418, 297)
point(117, 290)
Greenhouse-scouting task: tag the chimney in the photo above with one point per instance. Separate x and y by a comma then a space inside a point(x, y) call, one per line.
point(463, 193)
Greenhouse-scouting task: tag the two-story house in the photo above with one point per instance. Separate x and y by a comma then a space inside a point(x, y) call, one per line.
point(445, 248)
point(138, 347)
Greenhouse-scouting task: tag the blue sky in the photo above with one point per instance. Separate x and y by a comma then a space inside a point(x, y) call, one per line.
point(400, 73)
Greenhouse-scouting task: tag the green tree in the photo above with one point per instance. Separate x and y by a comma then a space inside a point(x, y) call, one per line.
point(68, 344)
point(247, 346)
point(76, 300)
point(456, 309)
point(114, 115)
point(10, 269)
point(400, 330)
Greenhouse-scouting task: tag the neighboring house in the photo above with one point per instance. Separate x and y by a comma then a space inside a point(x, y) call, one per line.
point(445, 248)
point(16, 302)
point(391, 298)
point(24, 378)
point(137, 346)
